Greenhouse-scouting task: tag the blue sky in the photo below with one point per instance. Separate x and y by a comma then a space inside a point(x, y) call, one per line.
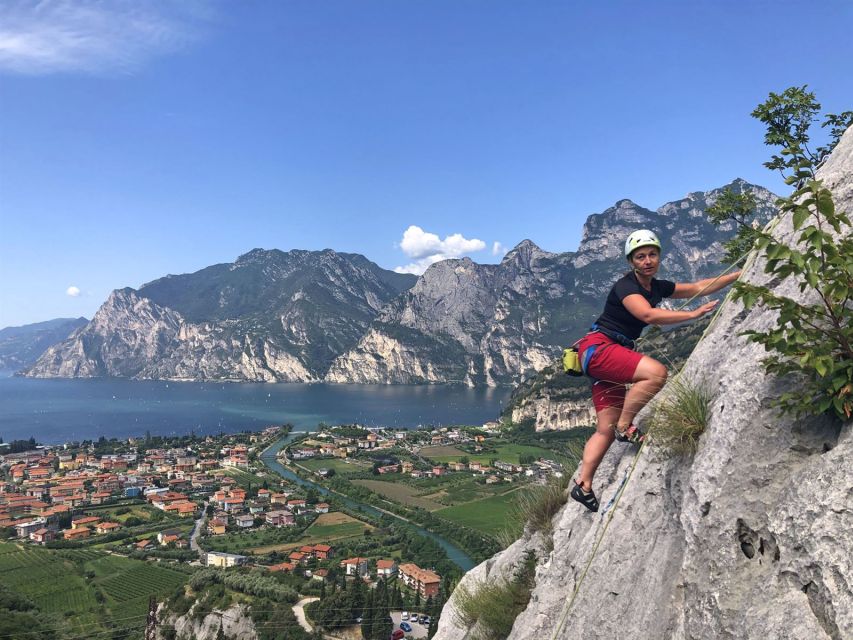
point(144, 138)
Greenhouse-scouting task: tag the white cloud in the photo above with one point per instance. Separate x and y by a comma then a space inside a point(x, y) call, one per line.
point(73, 291)
point(498, 249)
point(418, 243)
point(54, 36)
point(427, 248)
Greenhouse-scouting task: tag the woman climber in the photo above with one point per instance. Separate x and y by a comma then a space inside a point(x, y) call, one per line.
point(607, 351)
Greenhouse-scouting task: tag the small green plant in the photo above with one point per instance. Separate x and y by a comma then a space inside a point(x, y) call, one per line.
point(738, 207)
point(813, 340)
point(494, 606)
point(538, 506)
point(681, 416)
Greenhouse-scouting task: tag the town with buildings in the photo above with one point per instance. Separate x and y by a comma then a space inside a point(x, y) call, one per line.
point(72, 494)
point(211, 502)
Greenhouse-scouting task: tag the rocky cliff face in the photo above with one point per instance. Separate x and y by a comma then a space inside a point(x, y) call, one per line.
point(496, 324)
point(452, 325)
point(234, 622)
point(552, 414)
point(750, 538)
point(270, 316)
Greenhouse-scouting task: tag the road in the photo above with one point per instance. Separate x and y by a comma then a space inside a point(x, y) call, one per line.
point(196, 531)
point(299, 611)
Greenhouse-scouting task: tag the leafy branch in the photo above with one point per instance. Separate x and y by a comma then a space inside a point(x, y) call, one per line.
point(740, 208)
point(812, 340)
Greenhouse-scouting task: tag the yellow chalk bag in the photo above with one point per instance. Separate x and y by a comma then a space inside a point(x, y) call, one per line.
point(572, 362)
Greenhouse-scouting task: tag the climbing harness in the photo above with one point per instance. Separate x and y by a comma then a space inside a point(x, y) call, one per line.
point(577, 364)
point(610, 508)
point(617, 337)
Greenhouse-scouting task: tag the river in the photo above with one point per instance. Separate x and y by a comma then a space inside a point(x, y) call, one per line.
point(456, 555)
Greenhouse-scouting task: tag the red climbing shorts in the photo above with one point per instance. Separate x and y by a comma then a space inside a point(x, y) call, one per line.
point(612, 366)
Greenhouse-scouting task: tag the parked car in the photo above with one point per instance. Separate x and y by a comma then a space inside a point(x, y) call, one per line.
point(405, 626)
point(398, 634)
point(405, 616)
point(425, 620)
point(413, 617)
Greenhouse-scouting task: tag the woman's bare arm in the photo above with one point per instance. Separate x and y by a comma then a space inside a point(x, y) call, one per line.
point(640, 308)
point(703, 287)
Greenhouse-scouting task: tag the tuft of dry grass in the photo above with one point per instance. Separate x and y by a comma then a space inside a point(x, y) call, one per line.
point(493, 606)
point(537, 506)
point(681, 416)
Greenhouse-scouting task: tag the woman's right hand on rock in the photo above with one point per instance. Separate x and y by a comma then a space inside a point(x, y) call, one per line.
point(706, 308)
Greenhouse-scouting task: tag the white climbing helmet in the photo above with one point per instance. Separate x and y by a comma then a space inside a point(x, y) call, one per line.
point(641, 238)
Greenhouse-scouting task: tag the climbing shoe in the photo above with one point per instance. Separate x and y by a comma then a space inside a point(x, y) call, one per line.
point(587, 499)
point(632, 434)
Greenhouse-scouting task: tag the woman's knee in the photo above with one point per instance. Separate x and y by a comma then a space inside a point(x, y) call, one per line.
point(651, 370)
point(606, 418)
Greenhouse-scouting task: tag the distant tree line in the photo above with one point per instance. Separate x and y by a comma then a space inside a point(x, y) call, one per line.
point(19, 446)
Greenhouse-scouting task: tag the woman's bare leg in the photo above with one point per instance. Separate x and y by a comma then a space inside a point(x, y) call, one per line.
point(597, 445)
point(648, 379)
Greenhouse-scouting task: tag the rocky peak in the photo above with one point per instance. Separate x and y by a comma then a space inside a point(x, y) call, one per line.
point(604, 233)
point(253, 256)
point(524, 254)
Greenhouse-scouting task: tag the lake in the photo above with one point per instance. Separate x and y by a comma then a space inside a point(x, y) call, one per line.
point(58, 410)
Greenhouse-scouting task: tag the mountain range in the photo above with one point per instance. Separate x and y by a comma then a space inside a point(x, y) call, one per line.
point(306, 316)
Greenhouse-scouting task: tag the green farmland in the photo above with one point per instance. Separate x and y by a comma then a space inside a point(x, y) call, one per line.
point(336, 525)
point(341, 467)
point(82, 590)
point(403, 493)
point(506, 452)
point(120, 513)
point(328, 528)
point(490, 515)
point(463, 490)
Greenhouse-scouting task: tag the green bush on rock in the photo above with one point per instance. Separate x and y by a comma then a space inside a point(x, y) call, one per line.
point(811, 340)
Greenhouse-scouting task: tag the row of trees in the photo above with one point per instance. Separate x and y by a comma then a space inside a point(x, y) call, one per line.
point(255, 583)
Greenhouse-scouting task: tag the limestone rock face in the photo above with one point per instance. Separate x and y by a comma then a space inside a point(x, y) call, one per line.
point(550, 414)
point(463, 322)
point(750, 538)
point(384, 359)
point(234, 622)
